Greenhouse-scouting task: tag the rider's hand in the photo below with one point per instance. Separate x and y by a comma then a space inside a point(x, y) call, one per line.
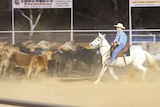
point(115, 44)
point(112, 43)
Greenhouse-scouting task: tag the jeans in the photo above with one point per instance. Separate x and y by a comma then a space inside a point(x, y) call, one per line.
point(115, 52)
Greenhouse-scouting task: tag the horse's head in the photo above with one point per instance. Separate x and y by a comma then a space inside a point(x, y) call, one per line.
point(97, 42)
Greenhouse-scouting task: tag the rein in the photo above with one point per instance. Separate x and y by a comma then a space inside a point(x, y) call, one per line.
point(100, 45)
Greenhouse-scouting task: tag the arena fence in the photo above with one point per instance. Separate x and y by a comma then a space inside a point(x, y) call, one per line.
point(86, 36)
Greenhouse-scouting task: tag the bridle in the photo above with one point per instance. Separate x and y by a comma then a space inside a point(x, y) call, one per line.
point(100, 44)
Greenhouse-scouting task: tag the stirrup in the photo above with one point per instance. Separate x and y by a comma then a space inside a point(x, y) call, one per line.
point(110, 65)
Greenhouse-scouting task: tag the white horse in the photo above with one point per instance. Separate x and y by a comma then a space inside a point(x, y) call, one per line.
point(137, 57)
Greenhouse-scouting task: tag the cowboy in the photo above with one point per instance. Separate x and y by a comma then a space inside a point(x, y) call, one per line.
point(119, 41)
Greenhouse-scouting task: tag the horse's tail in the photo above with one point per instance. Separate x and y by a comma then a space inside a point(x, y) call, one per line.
point(151, 60)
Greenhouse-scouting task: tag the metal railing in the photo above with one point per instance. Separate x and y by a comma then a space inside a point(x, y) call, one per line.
point(76, 34)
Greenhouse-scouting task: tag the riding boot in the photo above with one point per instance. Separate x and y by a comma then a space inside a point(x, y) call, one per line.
point(111, 63)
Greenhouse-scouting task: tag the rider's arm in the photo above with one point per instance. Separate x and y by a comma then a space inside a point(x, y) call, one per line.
point(123, 38)
point(116, 40)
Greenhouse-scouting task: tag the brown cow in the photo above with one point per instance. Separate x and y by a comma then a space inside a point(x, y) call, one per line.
point(4, 62)
point(6, 50)
point(19, 59)
point(39, 63)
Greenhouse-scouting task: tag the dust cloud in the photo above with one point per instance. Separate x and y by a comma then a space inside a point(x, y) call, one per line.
point(78, 90)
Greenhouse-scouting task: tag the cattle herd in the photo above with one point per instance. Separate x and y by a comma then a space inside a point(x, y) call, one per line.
point(51, 58)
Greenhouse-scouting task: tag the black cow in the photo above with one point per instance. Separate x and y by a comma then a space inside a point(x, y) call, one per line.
point(22, 48)
point(90, 57)
point(61, 62)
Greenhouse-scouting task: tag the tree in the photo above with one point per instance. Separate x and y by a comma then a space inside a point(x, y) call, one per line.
point(33, 23)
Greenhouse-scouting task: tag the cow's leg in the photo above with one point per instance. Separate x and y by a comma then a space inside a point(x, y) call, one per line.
point(28, 72)
point(4, 70)
point(93, 69)
point(11, 68)
point(1, 69)
point(68, 67)
point(56, 69)
point(36, 72)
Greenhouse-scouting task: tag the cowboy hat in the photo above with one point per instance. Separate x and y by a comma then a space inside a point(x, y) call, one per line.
point(120, 25)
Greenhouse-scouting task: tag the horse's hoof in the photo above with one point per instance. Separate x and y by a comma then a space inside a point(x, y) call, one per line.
point(116, 78)
point(96, 82)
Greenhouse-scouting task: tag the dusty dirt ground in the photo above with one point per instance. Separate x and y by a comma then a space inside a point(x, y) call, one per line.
point(79, 90)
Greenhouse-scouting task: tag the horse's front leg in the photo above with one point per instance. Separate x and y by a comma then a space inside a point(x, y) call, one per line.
point(103, 69)
point(112, 73)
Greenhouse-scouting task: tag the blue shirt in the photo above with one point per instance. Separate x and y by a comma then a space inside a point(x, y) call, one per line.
point(121, 38)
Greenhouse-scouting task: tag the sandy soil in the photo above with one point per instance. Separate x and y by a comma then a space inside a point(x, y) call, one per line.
point(78, 90)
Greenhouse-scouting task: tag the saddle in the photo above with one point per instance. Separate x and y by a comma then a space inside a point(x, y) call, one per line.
point(124, 52)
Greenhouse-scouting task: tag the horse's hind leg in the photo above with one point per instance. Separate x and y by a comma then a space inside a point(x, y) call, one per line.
point(144, 69)
point(113, 74)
